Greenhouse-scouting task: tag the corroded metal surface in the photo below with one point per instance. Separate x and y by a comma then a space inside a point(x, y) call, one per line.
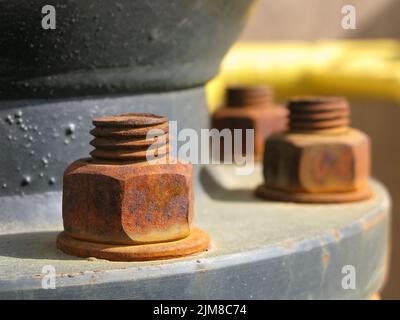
point(251, 108)
point(319, 159)
point(274, 194)
point(119, 197)
point(130, 137)
point(127, 204)
point(238, 97)
point(197, 241)
point(318, 113)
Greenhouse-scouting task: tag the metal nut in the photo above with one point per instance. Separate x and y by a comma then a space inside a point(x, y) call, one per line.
point(320, 159)
point(298, 162)
point(127, 204)
point(251, 108)
point(117, 196)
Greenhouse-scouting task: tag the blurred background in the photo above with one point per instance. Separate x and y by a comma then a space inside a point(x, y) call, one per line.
point(300, 47)
point(316, 19)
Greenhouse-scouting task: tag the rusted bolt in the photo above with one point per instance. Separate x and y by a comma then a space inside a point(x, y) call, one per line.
point(320, 159)
point(121, 205)
point(251, 108)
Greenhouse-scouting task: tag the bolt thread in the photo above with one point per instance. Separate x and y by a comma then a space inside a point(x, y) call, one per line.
point(133, 137)
point(318, 113)
point(238, 97)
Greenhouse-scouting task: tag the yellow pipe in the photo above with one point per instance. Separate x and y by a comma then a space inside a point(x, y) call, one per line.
point(360, 68)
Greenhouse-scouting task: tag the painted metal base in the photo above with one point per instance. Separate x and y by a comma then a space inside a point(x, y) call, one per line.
point(340, 197)
point(43, 136)
point(198, 241)
point(261, 250)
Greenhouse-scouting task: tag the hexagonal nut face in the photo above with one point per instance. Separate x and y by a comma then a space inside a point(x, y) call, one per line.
point(127, 204)
point(313, 163)
point(264, 121)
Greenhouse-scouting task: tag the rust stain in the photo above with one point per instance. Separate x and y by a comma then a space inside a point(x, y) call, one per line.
point(287, 243)
point(337, 235)
point(370, 223)
point(326, 258)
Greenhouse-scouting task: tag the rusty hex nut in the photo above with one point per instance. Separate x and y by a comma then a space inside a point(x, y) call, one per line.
point(118, 197)
point(316, 163)
point(251, 108)
point(127, 204)
point(319, 155)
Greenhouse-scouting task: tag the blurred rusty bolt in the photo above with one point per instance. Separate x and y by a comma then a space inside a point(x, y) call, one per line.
point(119, 197)
point(320, 159)
point(251, 108)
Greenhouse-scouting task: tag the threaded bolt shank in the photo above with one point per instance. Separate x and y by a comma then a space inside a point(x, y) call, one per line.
point(238, 97)
point(129, 137)
point(318, 113)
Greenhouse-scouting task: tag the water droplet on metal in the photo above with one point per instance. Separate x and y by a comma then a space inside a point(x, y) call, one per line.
point(9, 119)
point(70, 129)
point(26, 180)
point(18, 114)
